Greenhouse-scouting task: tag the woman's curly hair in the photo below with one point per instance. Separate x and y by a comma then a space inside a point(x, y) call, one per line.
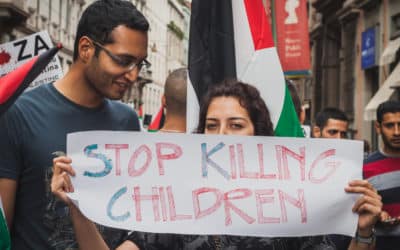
point(248, 97)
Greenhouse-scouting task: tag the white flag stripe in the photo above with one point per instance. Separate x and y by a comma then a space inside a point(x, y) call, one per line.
point(1, 207)
point(244, 46)
point(260, 68)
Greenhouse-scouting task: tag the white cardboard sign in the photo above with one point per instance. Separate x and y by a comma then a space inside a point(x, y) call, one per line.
point(14, 54)
point(202, 184)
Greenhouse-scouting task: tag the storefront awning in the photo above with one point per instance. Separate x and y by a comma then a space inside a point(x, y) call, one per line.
point(383, 94)
point(389, 54)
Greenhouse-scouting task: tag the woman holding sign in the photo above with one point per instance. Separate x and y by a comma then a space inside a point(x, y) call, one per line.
point(231, 108)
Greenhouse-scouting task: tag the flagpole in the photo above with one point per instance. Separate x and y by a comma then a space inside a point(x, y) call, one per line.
point(273, 23)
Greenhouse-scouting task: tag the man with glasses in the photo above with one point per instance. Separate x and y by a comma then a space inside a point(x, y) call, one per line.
point(109, 51)
point(331, 123)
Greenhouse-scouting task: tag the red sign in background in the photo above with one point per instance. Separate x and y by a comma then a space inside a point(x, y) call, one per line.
point(292, 34)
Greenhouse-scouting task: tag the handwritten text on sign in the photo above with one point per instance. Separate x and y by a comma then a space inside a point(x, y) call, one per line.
point(199, 184)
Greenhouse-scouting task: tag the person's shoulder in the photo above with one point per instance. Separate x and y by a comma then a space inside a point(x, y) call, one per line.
point(373, 157)
point(121, 107)
point(35, 94)
point(125, 114)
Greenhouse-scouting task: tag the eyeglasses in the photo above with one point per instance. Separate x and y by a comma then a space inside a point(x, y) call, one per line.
point(128, 63)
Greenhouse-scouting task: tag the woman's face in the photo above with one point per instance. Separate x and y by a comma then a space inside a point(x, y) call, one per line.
point(226, 116)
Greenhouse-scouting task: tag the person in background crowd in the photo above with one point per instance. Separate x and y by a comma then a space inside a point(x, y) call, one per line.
point(109, 51)
point(331, 123)
point(367, 148)
point(174, 102)
point(229, 108)
point(301, 113)
point(382, 170)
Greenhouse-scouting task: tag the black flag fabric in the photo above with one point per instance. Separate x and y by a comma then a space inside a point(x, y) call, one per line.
point(211, 44)
point(211, 50)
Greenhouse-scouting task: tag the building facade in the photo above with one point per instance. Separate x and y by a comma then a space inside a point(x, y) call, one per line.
point(168, 43)
point(19, 18)
point(354, 58)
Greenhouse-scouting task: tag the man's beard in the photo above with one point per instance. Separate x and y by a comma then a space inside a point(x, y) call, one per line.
point(389, 145)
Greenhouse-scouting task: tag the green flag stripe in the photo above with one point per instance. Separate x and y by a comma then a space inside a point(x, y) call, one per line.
point(288, 123)
point(4, 235)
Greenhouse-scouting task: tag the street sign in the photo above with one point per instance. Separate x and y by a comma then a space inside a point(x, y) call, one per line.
point(368, 49)
point(15, 53)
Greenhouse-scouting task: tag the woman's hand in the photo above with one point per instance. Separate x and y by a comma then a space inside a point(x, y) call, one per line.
point(61, 181)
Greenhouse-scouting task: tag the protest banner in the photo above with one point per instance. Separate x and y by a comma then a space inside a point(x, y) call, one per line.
point(202, 184)
point(14, 54)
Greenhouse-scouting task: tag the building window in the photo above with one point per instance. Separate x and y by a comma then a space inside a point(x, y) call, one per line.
point(395, 26)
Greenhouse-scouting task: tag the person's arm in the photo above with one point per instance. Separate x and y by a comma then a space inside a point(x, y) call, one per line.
point(86, 233)
point(8, 189)
point(368, 207)
point(10, 162)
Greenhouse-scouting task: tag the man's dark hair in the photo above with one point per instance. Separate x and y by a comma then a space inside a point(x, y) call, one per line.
point(175, 92)
point(387, 107)
point(329, 113)
point(249, 98)
point(102, 16)
point(295, 97)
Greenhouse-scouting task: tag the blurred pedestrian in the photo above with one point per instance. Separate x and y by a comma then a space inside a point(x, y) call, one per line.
point(382, 169)
point(367, 148)
point(174, 102)
point(331, 123)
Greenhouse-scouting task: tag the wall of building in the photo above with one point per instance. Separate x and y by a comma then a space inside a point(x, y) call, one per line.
point(167, 49)
point(338, 77)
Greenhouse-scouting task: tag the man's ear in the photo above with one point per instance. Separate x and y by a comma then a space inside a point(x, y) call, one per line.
point(377, 127)
point(316, 132)
point(85, 49)
point(163, 101)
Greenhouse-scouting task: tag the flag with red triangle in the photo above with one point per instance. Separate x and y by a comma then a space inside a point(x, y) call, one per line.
point(15, 82)
point(156, 123)
point(140, 111)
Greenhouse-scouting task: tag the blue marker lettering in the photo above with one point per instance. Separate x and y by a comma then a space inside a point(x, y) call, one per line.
point(107, 162)
point(110, 205)
point(205, 159)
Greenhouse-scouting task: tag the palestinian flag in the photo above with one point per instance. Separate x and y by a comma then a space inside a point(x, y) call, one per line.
point(234, 39)
point(157, 122)
point(140, 115)
point(5, 242)
point(140, 111)
point(14, 83)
